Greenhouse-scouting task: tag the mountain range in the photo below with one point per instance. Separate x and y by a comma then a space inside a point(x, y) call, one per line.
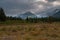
point(54, 13)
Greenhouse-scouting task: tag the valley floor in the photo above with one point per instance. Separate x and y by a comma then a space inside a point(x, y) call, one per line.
point(28, 31)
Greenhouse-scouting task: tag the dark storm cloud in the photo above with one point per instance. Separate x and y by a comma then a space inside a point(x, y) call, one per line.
point(51, 0)
point(14, 7)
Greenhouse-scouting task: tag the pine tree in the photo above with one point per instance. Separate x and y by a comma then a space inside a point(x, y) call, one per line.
point(2, 15)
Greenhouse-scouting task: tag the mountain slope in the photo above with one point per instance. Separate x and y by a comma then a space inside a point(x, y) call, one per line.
point(27, 14)
point(49, 12)
point(57, 14)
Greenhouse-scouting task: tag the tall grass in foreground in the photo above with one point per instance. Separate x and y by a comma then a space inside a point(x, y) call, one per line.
point(32, 31)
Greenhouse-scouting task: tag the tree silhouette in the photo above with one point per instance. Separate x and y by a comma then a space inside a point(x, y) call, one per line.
point(2, 15)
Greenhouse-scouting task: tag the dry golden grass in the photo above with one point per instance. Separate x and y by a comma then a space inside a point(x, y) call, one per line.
point(30, 31)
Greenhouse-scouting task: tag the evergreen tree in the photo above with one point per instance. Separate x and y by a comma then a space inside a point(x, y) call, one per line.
point(2, 15)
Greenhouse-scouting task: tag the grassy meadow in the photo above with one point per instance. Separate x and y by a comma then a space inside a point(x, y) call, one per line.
point(18, 30)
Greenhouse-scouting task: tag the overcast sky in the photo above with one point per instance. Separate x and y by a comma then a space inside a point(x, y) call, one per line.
point(14, 7)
